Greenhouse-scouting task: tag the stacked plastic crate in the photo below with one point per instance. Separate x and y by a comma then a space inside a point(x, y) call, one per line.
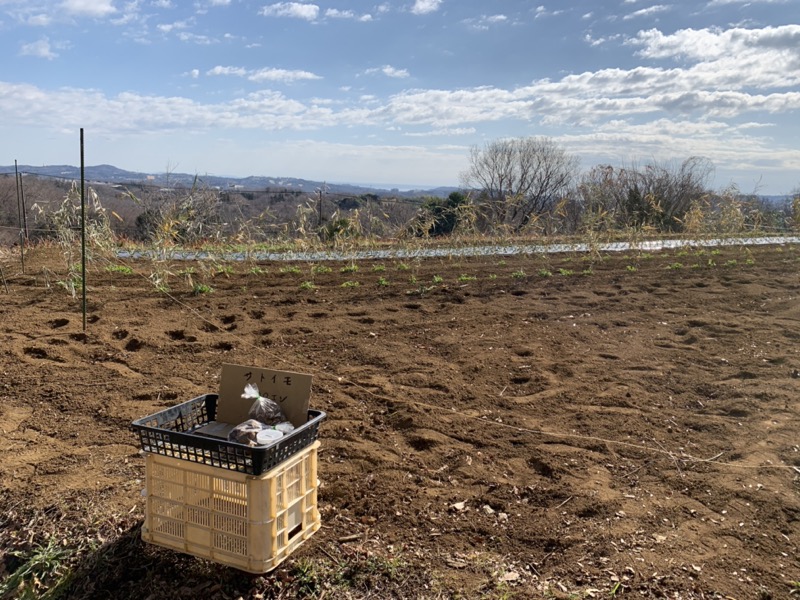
point(243, 506)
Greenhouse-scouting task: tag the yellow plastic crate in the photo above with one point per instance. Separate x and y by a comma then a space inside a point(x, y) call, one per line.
point(244, 521)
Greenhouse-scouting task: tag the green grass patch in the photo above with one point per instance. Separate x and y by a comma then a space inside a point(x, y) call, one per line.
point(45, 563)
point(201, 288)
point(124, 269)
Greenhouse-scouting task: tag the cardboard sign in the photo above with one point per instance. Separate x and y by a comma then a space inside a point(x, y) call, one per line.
point(290, 390)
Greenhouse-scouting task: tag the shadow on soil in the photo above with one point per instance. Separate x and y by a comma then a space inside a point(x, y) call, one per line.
point(127, 568)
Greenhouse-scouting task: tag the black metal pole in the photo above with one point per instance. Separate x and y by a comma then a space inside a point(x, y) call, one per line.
point(21, 211)
point(19, 205)
point(83, 236)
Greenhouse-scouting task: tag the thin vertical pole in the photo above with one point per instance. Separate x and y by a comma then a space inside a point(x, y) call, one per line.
point(83, 236)
point(19, 205)
point(21, 211)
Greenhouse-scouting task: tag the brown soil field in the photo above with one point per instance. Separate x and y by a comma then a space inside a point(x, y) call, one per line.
point(626, 427)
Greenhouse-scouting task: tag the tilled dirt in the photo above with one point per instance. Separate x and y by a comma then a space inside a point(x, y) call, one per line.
point(628, 425)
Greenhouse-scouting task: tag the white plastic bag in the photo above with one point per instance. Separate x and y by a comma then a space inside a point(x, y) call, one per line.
point(264, 410)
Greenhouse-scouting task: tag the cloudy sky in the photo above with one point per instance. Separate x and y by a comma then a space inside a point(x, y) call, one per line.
point(396, 92)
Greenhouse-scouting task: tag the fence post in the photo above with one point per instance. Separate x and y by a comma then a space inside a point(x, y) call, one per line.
point(83, 236)
point(20, 217)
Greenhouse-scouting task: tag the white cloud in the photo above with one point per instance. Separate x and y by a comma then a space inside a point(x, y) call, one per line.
point(220, 2)
point(733, 148)
point(220, 70)
point(713, 80)
point(646, 12)
point(731, 59)
point(335, 13)
point(40, 49)
point(483, 22)
point(592, 41)
point(283, 75)
point(389, 71)
point(423, 7)
point(40, 20)
point(163, 4)
point(444, 131)
point(89, 8)
point(168, 27)
point(724, 2)
point(541, 11)
point(268, 74)
point(132, 114)
point(202, 40)
point(714, 44)
point(130, 13)
point(731, 74)
point(298, 10)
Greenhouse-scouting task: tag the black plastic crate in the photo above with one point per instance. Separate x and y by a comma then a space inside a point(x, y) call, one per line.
point(169, 432)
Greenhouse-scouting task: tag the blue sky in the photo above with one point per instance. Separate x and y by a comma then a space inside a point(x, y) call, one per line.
point(396, 92)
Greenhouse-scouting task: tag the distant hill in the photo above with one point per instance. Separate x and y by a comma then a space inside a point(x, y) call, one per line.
point(115, 175)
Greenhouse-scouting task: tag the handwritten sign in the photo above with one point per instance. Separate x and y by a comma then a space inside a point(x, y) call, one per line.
point(290, 390)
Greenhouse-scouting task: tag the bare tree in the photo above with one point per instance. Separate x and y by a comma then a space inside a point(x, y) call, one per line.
point(603, 194)
point(519, 179)
point(656, 195)
point(668, 191)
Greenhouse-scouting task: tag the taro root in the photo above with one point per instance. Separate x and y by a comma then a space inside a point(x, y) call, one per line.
point(246, 433)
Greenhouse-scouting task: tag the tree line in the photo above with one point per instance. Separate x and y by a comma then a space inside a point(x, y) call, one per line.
point(532, 185)
point(511, 187)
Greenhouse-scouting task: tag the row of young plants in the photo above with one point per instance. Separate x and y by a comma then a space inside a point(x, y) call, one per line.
point(199, 277)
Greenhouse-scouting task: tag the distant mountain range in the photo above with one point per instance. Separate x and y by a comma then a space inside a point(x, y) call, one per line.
point(114, 175)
